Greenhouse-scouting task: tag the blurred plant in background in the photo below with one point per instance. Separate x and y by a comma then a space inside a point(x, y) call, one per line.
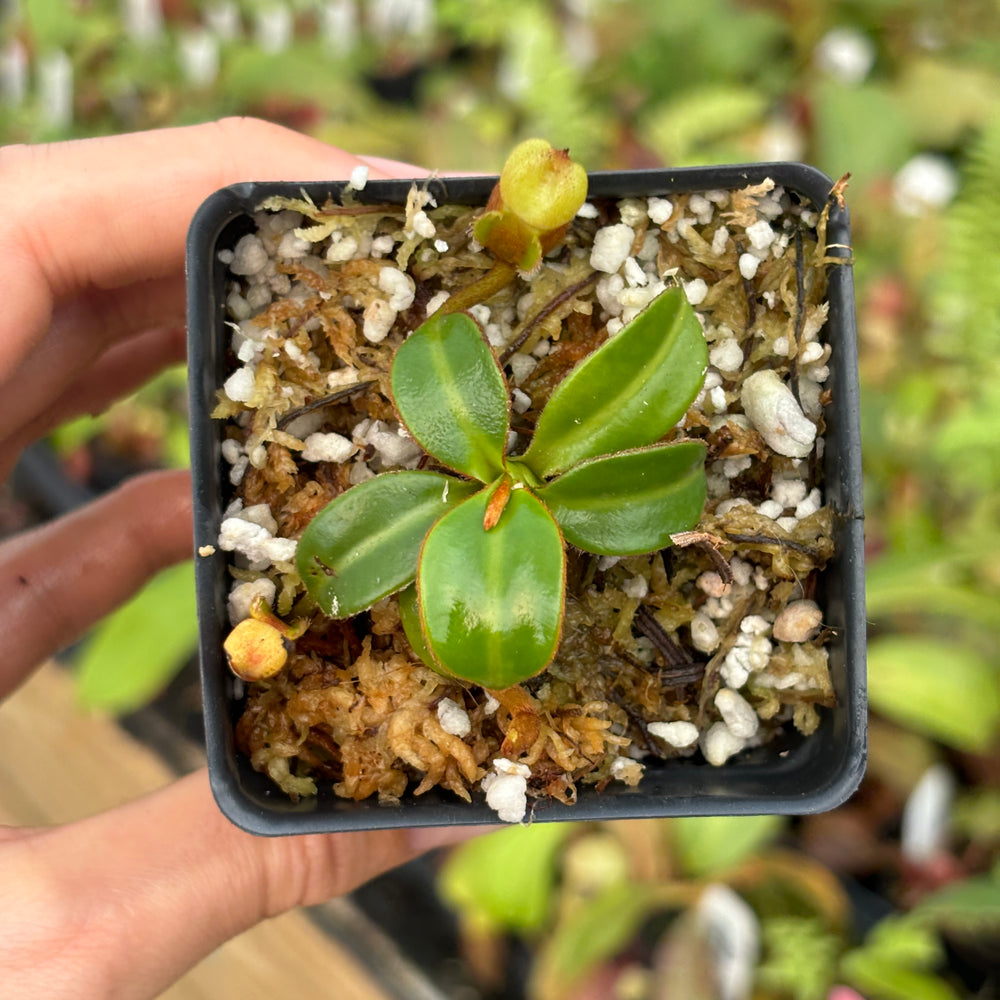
point(904, 94)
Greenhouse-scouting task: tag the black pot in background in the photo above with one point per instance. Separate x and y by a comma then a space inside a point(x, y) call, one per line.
point(800, 776)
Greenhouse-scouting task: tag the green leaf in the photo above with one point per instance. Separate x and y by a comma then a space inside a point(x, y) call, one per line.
point(970, 907)
point(506, 881)
point(894, 962)
point(631, 502)
point(596, 930)
point(628, 393)
point(364, 545)
point(801, 957)
point(706, 845)
point(451, 394)
point(682, 128)
point(491, 602)
point(944, 689)
point(409, 615)
point(135, 652)
point(882, 979)
point(904, 940)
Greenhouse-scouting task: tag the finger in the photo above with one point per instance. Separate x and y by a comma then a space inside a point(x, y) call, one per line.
point(120, 371)
point(117, 208)
point(80, 331)
point(57, 580)
point(150, 184)
point(172, 864)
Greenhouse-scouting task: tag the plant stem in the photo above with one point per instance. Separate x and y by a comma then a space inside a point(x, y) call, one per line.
point(498, 277)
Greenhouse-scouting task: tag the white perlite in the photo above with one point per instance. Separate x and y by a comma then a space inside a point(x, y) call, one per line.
point(704, 633)
point(789, 492)
point(394, 447)
point(659, 210)
point(260, 513)
point(737, 713)
point(748, 265)
point(249, 256)
point(612, 246)
point(328, 448)
point(797, 622)
point(506, 788)
point(422, 225)
point(726, 355)
point(760, 234)
point(749, 653)
point(677, 734)
point(242, 596)
point(240, 385)
point(627, 771)
point(378, 319)
point(341, 248)
point(712, 584)
point(398, 286)
point(359, 178)
point(254, 541)
point(719, 743)
point(436, 301)
point(636, 587)
point(775, 413)
point(771, 509)
point(453, 718)
point(695, 291)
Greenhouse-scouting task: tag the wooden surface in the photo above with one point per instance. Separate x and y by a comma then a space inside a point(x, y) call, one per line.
point(58, 764)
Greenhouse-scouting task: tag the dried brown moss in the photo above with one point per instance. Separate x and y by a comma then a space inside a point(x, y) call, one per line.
point(354, 709)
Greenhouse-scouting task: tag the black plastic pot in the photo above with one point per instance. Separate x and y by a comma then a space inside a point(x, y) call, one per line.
point(792, 776)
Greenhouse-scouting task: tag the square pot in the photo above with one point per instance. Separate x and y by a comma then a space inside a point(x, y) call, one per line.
point(803, 775)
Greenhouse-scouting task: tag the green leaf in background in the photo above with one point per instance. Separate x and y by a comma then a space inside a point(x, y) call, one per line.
point(970, 907)
point(628, 393)
point(941, 688)
point(364, 544)
point(682, 127)
point(976, 815)
point(896, 962)
point(800, 957)
point(966, 303)
point(451, 394)
point(594, 932)
point(491, 602)
point(881, 979)
point(707, 845)
point(506, 880)
point(135, 652)
point(906, 940)
point(944, 100)
point(927, 582)
point(631, 502)
point(860, 129)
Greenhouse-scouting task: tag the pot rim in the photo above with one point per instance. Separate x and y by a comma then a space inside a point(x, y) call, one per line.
point(812, 774)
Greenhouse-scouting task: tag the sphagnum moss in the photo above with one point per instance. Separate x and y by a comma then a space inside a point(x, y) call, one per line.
point(647, 640)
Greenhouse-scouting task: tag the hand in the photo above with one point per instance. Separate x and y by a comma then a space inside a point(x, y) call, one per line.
point(92, 244)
